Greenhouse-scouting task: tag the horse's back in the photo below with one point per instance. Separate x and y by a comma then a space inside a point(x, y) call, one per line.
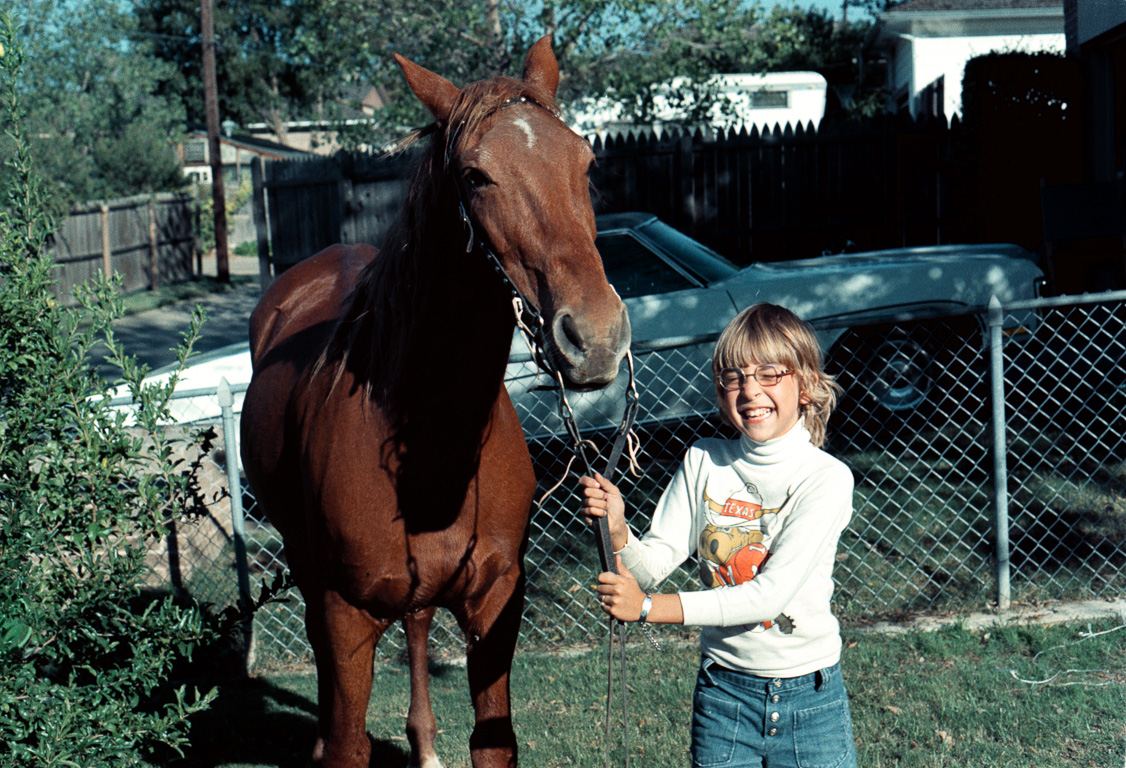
point(309, 294)
point(289, 330)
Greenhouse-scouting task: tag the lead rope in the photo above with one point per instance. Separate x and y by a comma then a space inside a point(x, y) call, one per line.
point(622, 439)
point(531, 325)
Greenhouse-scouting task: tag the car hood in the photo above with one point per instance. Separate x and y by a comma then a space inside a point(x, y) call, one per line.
point(884, 285)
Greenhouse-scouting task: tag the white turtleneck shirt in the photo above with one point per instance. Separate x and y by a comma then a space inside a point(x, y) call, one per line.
point(763, 520)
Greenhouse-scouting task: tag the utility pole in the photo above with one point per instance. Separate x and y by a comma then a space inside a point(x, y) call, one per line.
point(214, 151)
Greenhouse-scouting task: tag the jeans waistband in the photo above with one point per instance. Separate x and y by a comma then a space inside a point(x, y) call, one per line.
point(747, 680)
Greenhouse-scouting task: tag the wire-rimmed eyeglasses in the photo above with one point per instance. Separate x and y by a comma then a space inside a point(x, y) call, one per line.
point(733, 379)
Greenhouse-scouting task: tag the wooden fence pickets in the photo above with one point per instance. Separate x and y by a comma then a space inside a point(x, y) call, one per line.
point(148, 240)
point(780, 193)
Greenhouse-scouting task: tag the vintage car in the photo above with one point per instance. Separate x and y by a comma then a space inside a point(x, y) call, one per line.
point(680, 294)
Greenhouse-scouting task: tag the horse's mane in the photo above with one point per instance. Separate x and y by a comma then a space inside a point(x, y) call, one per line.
point(380, 327)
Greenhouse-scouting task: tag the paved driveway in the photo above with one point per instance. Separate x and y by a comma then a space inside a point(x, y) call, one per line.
point(151, 336)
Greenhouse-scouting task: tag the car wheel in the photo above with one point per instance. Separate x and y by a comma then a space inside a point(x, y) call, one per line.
point(908, 374)
point(898, 373)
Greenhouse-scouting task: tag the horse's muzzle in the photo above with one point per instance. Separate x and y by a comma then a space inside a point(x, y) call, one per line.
point(589, 352)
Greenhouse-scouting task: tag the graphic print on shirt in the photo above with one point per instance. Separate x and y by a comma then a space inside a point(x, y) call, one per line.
point(733, 545)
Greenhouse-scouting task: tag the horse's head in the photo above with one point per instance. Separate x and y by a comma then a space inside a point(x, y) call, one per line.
point(521, 175)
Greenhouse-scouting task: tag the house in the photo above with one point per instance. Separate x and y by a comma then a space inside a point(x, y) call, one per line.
point(237, 152)
point(740, 101)
point(926, 44)
point(356, 105)
point(1096, 35)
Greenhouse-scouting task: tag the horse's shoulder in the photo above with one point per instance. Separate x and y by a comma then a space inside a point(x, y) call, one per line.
point(310, 292)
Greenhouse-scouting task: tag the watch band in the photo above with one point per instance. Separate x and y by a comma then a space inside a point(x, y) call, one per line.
point(646, 606)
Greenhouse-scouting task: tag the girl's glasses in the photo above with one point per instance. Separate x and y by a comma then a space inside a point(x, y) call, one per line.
point(733, 379)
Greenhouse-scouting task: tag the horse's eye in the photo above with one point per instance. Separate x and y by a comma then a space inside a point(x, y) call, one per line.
point(475, 179)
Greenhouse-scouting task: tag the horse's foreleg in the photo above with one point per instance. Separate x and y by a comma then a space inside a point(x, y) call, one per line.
point(422, 728)
point(491, 626)
point(344, 639)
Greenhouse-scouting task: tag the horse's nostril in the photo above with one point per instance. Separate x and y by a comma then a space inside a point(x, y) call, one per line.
point(571, 332)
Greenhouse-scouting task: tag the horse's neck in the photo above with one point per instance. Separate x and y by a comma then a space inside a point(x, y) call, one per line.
point(453, 382)
point(469, 318)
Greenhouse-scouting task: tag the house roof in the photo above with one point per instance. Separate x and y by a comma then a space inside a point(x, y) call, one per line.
point(923, 6)
point(965, 18)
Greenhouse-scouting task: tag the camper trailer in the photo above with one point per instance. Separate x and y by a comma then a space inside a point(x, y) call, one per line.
point(732, 101)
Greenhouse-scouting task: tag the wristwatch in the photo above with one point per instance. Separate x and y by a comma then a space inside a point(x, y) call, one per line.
point(646, 605)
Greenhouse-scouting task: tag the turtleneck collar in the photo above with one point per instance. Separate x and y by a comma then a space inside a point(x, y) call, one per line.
point(778, 449)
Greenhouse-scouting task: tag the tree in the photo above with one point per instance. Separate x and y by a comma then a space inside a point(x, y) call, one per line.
point(723, 37)
point(91, 93)
point(277, 60)
point(302, 59)
point(87, 654)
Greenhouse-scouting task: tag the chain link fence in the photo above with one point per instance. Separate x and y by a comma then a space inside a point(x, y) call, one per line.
point(950, 514)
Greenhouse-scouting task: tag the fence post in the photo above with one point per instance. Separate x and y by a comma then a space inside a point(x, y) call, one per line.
point(238, 524)
point(1000, 467)
point(107, 253)
point(154, 256)
point(261, 222)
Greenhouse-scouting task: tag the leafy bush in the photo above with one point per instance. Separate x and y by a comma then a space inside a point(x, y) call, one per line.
point(234, 203)
point(87, 654)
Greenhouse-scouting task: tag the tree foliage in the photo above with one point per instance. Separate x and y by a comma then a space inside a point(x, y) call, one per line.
point(274, 58)
point(97, 124)
point(87, 654)
point(311, 59)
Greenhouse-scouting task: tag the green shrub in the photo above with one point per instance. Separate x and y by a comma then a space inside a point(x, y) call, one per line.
point(236, 201)
point(87, 655)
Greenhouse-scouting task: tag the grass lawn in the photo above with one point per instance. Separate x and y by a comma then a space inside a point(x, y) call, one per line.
point(204, 285)
point(954, 697)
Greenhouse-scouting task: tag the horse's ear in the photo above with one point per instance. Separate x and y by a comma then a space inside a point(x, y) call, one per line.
point(541, 68)
point(435, 92)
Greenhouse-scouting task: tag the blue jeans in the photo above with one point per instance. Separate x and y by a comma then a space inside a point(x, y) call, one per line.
point(799, 722)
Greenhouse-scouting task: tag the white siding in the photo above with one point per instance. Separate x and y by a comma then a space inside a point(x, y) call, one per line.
point(947, 56)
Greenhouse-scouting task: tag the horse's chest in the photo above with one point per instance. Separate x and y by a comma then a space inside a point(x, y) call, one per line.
point(392, 571)
point(406, 527)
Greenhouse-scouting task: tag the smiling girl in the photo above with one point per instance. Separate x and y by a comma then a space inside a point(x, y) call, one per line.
point(762, 514)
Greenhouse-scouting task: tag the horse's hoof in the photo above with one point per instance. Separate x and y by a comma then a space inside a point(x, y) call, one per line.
point(432, 762)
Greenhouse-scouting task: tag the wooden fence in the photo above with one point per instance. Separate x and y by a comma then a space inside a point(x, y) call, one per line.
point(149, 240)
point(313, 203)
point(795, 192)
point(779, 194)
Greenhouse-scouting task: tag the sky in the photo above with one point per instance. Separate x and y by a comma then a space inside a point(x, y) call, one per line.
point(834, 7)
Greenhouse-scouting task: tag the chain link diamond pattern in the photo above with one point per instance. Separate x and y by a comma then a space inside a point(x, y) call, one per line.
point(915, 426)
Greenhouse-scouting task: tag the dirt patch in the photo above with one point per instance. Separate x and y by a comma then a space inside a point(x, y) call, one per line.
point(1043, 614)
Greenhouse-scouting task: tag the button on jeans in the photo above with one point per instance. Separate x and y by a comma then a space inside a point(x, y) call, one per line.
point(799, 722)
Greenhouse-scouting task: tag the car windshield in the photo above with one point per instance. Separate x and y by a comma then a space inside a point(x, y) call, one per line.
point(634, 270)
point(702, 261)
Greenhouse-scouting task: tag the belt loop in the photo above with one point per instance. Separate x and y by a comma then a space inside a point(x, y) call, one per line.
point(821, 678)
point(705, 669)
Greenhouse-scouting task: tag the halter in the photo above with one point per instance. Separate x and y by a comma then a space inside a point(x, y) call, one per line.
point(528, 317)
point(531, 324)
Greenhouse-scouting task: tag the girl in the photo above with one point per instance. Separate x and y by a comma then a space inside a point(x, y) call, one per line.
point(762, 514)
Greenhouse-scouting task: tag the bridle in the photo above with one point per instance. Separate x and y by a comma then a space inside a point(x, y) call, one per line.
point(531, 324)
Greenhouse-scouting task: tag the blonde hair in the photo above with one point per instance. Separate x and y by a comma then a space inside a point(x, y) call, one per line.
point(768, 333)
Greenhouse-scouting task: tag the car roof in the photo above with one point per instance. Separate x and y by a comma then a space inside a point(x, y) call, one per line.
point(688, 255)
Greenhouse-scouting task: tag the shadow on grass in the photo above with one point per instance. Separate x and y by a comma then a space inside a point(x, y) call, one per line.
point(254, 722)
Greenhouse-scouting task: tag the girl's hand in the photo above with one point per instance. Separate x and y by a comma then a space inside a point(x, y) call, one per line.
point(619, 594)
point(601, 498)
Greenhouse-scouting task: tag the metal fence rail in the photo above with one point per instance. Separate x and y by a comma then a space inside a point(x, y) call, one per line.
point(986, 491)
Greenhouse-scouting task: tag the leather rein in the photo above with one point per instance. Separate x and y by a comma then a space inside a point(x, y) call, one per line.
point(531, 324)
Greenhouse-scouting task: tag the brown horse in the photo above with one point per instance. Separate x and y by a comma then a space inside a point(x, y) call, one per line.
point(377, 433)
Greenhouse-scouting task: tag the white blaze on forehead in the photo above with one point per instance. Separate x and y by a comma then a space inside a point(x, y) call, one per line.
point(526, 127)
